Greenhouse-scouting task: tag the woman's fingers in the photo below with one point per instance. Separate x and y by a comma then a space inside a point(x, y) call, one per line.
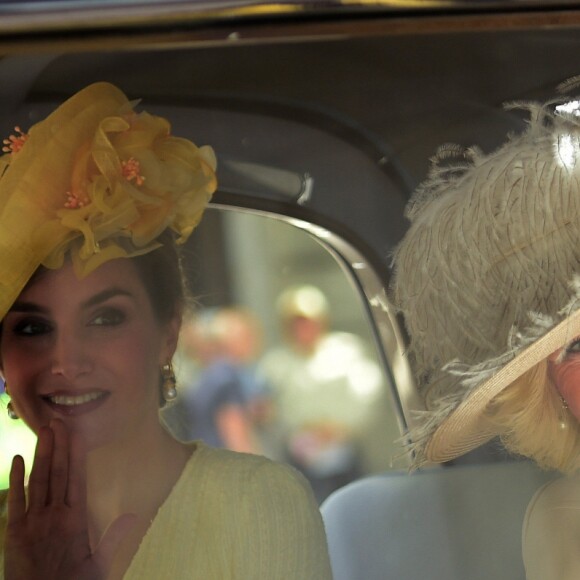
point(39, 481)
point(50, 475)
point(59, 467)
point(16, 499)
point(50, 538)
point(76, 494)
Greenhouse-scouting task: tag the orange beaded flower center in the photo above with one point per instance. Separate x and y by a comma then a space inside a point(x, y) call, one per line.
point(75, 200)
point(14, 143)
point(132, 171)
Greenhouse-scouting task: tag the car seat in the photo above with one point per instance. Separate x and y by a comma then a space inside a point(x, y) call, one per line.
point(445, 523)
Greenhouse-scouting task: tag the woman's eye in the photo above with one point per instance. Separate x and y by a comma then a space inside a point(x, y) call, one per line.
point(110, 317)
point(573, 347)
point(31, 328)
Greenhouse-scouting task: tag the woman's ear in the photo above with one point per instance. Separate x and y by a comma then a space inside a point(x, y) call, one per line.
point(171, 338)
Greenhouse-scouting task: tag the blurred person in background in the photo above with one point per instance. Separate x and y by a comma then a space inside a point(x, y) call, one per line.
point(324, 387)
point(217, 348)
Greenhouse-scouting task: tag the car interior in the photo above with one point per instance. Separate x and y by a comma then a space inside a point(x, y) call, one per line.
point(323, 116)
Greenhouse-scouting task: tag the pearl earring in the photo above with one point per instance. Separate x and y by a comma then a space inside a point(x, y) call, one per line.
point(169, 382)
point(11, 412)
point(9, 408)
point(563, 424)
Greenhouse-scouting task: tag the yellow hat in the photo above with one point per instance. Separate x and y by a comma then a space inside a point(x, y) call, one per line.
point(96, 180)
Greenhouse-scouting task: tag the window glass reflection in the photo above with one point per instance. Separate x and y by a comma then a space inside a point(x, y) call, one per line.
point(282, 363)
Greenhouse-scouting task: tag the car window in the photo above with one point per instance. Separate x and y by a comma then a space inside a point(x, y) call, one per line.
point(312, 387)
point(319, 396)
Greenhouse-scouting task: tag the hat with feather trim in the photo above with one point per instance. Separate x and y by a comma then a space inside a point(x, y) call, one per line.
point(98, 181)
point(488, 274)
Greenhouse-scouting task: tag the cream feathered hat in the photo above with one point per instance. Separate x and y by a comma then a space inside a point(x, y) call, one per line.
point(95, 180)
point(488, 275)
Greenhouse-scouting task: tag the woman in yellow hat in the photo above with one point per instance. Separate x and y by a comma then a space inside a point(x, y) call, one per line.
point(92, 202)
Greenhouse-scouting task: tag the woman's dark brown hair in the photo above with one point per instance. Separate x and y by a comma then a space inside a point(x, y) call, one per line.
point(162, 275)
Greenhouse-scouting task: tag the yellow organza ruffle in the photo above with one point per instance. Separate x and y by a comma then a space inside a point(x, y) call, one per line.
point(98, 181)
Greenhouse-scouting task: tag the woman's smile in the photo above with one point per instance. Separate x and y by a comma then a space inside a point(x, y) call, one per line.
point(76, 404)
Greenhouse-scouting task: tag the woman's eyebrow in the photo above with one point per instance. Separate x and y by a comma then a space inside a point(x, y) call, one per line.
point(105, 295)
point(28, 307)
point(32, 307)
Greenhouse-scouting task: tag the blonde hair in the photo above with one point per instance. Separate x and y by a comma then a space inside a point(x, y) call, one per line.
point(532, 421)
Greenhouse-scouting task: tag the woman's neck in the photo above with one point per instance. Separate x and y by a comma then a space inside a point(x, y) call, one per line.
point(134, 476)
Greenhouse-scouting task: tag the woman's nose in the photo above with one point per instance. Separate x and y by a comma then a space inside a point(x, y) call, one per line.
point(71, 358)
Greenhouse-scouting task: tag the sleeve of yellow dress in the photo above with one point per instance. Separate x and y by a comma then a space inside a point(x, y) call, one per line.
point(287, 539)
point(551, 532)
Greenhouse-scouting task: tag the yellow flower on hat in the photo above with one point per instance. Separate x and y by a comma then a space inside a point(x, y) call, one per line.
point(98, 181)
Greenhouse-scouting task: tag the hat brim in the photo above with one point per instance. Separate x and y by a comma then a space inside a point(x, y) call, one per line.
point(467, 426)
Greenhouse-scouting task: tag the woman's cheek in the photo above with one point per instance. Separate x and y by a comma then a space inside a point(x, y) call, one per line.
point(566, 378)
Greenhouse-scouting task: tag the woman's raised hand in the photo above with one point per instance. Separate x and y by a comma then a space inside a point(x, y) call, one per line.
point(47, 537)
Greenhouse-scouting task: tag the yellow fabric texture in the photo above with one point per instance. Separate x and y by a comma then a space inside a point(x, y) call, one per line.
point(232, 516)
point(551, 531)
point(98, 180)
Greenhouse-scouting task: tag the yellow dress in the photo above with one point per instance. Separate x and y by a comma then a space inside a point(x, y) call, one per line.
point(232, 516)
point(551, 532)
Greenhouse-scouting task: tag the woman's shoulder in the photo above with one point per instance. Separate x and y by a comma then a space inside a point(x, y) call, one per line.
point(245, 469)
point(564, 491)
point(268, 520)
point(550, 531)
point(249, 486)
point(557, 500)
